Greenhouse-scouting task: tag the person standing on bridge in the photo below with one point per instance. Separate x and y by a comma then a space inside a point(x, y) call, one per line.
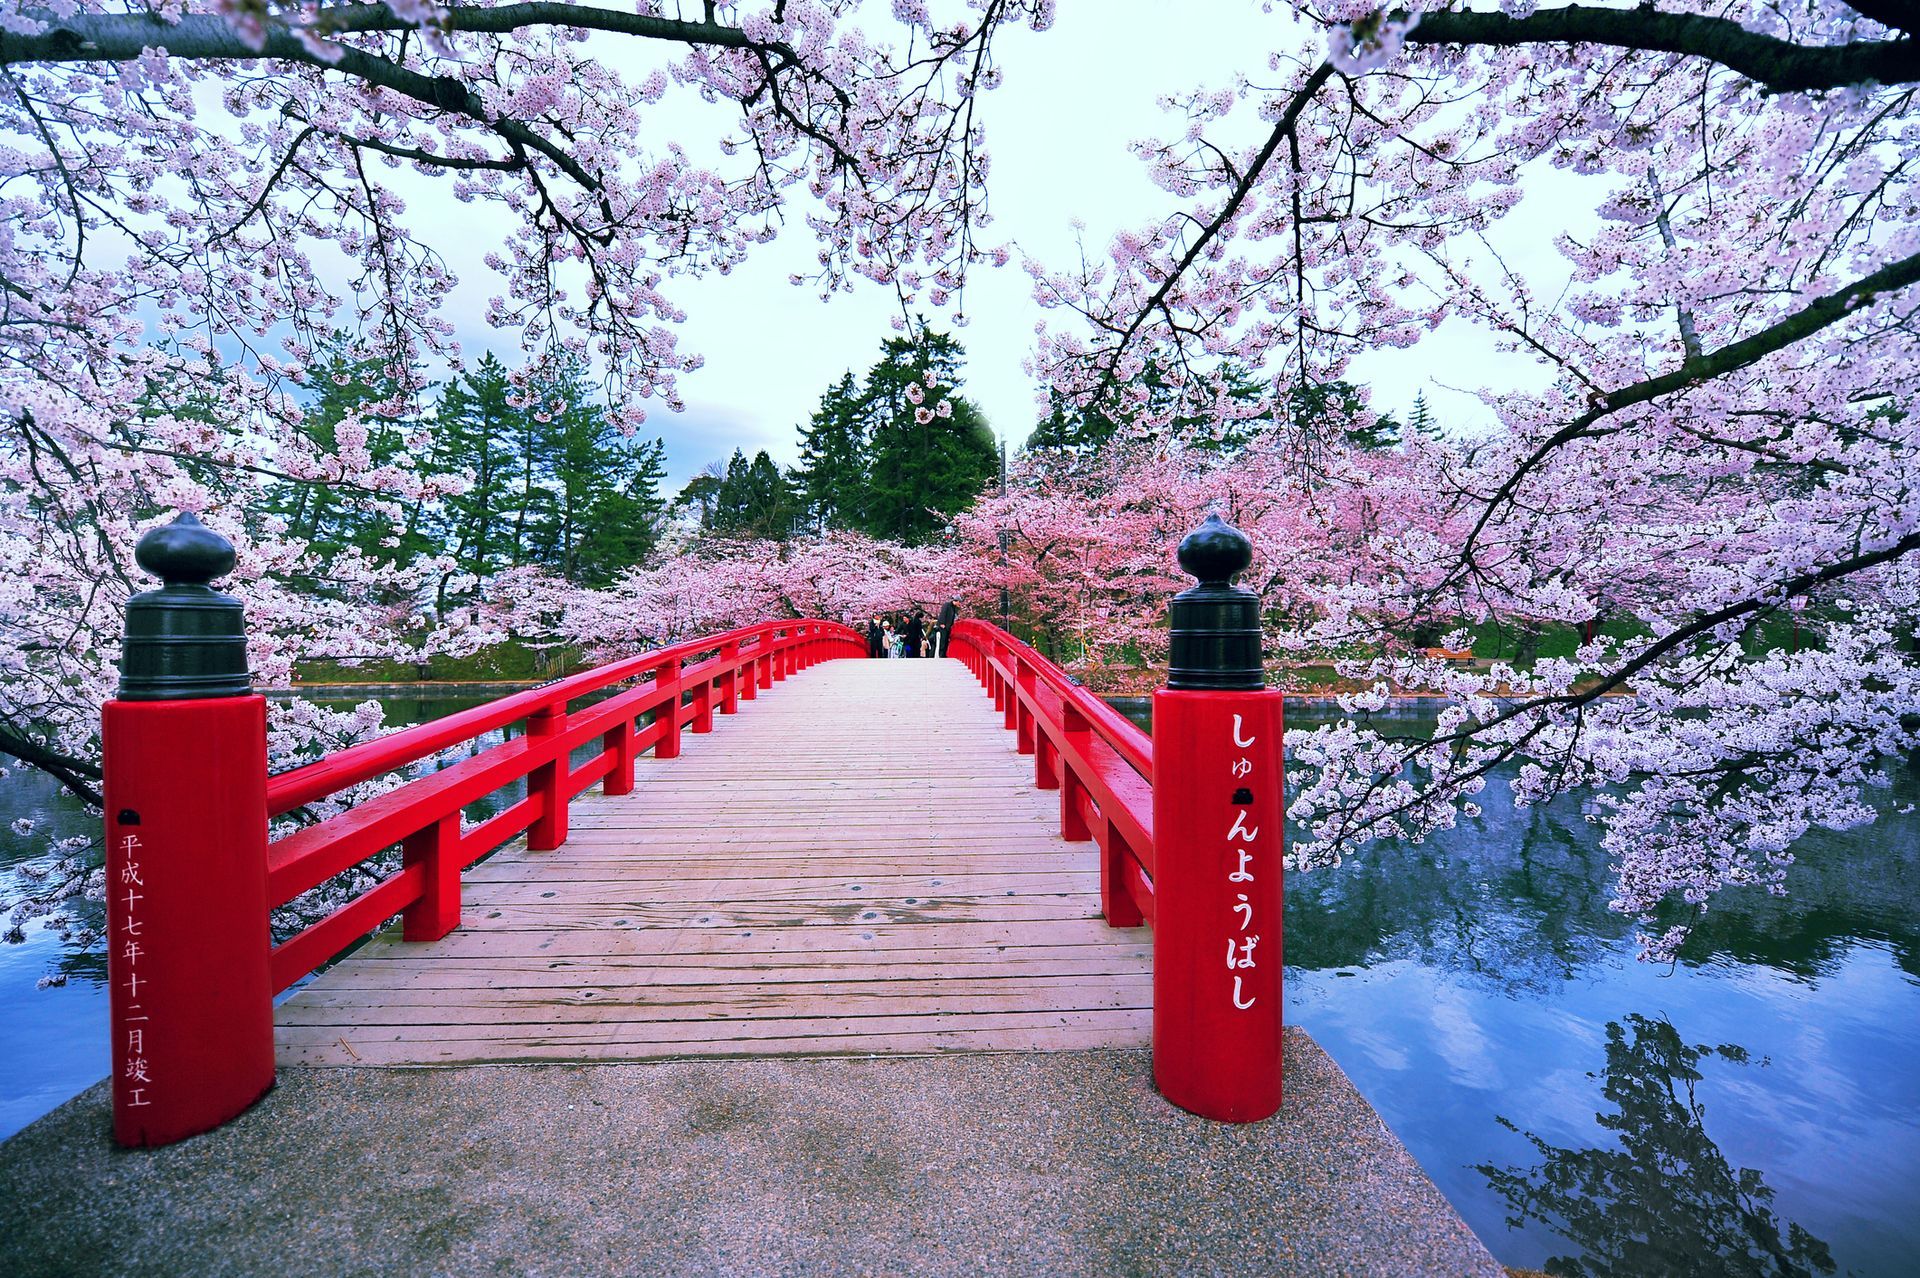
point(874, 637)
point(916, 633)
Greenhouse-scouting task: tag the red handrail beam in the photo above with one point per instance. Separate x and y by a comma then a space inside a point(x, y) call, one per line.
point(302, 785)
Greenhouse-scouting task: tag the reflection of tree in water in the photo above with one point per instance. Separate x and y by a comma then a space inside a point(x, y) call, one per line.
point(1519, 898)
point(1516, 902)
point(1664, 1201)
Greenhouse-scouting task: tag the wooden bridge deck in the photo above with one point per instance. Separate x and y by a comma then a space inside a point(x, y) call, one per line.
point(855, 863)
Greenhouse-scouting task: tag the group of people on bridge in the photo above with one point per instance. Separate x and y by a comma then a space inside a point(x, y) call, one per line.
point(903, 634)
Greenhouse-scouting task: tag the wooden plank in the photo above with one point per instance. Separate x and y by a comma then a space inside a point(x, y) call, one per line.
point(911, 889)
point(854, 863)
point(525, 1050)
point(745, 1001)
point(404, 980)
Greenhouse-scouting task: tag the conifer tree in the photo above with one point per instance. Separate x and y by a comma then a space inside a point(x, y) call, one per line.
point(930, 451)
point(832, 477)
point(474, 432)
point(1422, 422)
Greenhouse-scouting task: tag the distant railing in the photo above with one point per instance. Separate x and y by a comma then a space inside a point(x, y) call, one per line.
point(1099, 761)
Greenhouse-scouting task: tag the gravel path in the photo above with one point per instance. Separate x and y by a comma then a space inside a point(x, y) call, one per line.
point(1058, 1164)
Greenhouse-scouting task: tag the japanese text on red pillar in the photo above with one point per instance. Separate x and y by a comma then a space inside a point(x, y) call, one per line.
point(1240, 838)
point(135, 1072)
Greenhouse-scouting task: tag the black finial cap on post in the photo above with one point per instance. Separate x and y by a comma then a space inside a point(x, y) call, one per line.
point(185, 639)
point(1214, 627)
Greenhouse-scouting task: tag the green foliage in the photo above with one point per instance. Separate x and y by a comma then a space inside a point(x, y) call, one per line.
point(329, 519)
point(1321, 409)
point(752, 499)
point(1318, 411)
point(474, 424)
point(930, 452)
point(548, 479)
point(896, 456)
point(832, 477)
point(599, 490)
point(1422, 423)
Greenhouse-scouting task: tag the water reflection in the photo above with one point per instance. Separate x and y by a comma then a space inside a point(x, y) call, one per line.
point(1664, 1200)
point(1470, 985)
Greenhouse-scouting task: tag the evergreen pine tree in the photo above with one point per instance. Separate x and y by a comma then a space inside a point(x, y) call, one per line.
point(331, 520)
point(1423, 423)
point(930, 452)
point(475, 432)
point(832, 477)
point(603, 507)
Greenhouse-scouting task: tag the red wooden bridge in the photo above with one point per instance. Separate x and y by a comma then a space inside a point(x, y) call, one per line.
point(790, 852)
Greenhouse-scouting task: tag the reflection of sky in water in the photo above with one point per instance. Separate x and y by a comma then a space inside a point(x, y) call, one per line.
point(1475, 978)
point(1472, 979)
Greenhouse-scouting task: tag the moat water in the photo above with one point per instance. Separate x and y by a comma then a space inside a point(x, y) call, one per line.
point(1751, 1110)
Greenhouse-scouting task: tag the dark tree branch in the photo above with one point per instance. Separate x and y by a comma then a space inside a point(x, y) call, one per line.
point(119, 37)
point(77, 775)
point(1820, 313)
point(1780, 65)
point(1242, 188)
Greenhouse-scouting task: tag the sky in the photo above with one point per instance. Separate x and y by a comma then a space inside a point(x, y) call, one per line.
point(1058, 131)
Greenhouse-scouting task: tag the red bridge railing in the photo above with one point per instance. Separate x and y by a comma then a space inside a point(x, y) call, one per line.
point(192, 874)
point(1097, 758)
point(1188, 822)
point(684, 686)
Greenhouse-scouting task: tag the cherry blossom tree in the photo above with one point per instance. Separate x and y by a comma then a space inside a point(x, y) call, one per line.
point(203, 193)
point(1721, 428)
point(201, 197)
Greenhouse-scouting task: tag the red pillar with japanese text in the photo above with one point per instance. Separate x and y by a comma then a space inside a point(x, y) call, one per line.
point(1217, 817)
point(185, 753)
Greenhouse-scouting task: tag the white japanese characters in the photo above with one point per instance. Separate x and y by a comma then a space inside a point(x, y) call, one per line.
point(1240, 838)
point(136, 1071)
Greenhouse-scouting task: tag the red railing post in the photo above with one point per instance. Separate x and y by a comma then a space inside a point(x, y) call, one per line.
point(436, 850)
point(620, 741)
point(1022, 712)
point(703, 707)
point(185, 754)
point(749, 675)
point(782, 653)
point(1046, 763)
point(730, 690)
point(763, 659)
point(666, 715)
point(1073, 791)
point(549, 781)
point(1217, 813)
